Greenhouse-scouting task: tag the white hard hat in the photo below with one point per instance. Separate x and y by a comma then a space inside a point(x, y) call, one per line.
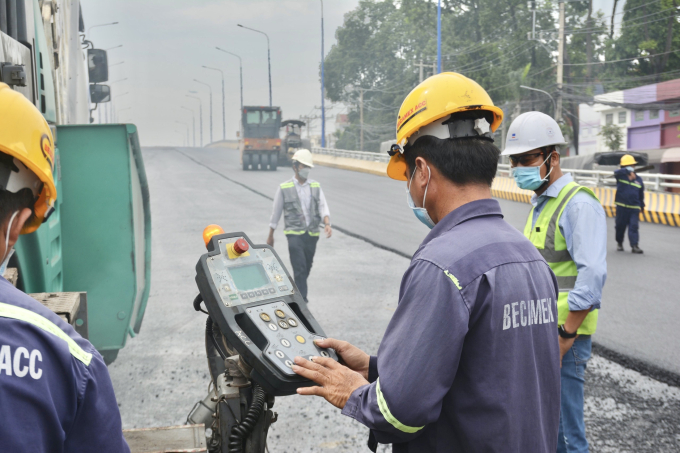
point(532, 130)
point(304, 157)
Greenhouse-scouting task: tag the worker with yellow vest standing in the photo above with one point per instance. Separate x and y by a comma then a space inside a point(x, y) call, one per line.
point(567, 225)
point(305, 211)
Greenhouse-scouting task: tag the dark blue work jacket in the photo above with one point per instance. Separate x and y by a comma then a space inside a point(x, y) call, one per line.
point(470, 360)
point(629, 194)
point(55, 391)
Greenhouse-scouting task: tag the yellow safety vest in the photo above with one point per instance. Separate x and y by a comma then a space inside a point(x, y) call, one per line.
point(552, 245)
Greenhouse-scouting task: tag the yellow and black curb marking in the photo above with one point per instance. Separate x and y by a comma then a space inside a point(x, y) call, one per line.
point(663, 208)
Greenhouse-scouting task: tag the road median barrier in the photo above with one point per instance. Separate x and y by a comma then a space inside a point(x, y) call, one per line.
point(661, 207)
point(349, 163)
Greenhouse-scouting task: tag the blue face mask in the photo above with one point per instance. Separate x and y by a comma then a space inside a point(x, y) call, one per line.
point(630, 169)
point(420, 213)
point(529, 178)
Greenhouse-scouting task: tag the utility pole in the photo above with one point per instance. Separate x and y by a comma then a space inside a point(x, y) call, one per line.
point(560, 64)
point(421, 66)
point(439, 36)
point(361, 118)
point(323, 110)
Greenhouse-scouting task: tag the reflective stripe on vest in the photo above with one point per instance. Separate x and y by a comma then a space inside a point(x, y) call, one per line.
point(552, 246)
point(293, 217)
point(626, 205)
point(10, 311)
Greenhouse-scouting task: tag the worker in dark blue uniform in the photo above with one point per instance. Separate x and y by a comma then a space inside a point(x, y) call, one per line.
point(55, 391)
point(630, 202)
point(470, 360)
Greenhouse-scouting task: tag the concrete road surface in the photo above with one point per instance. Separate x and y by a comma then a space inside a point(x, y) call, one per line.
point(162, 372)
point(641, 299)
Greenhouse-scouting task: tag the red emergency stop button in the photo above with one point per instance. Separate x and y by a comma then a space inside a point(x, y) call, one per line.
point(241, 246)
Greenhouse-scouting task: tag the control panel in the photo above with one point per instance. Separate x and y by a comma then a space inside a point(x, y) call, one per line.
point(254, 301)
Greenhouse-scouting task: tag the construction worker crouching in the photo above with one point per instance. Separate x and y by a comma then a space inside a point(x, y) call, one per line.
point(305, 211)
point(470, 359)
point(55, 390)
point(568, 227)
point(629, 201)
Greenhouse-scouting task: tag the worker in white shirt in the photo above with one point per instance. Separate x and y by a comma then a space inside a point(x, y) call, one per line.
point(305, 212)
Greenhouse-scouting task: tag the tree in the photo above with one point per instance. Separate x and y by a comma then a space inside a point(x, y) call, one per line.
point(612, 135)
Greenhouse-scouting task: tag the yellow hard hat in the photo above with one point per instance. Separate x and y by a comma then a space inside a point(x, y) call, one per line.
point(435, 98)
point(627, 160)
point(304, 157)
point(26, 137)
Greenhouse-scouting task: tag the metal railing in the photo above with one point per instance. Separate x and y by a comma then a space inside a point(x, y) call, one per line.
point(361, 155)
point(599, 178)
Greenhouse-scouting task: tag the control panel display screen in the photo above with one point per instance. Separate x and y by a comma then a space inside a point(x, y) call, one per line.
point(249, 277)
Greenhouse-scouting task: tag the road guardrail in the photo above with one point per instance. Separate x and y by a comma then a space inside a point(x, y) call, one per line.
point(660, 207)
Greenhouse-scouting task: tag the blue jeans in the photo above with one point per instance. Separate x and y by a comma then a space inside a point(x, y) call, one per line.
point(572, 433)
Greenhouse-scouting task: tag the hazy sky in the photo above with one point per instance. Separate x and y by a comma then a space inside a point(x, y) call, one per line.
point(166, 42)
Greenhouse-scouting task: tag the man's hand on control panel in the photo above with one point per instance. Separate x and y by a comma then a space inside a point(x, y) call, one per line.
point(337, 381)
point(352, 357)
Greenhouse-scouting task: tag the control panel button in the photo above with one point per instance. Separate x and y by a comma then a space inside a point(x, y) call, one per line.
point(292, 322)
point(285, 342)
point(251, 293)
point(227, 288)
point(283, 288)
point(325, 354)
point(280, 314)
point(244, 296)
point(289, 363)
point(272, 291)
point(278, 278)
point(280, 354)
point(258, 293)
point(300, 339)
point(272, 326)
point(265, 317)
point(241, 246)
point(283, 324)
point(233, 296)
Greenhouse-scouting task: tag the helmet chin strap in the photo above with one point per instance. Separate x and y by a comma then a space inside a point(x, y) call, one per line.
point(9, 228)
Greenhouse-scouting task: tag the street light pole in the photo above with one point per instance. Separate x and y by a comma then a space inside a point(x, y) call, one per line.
point(200, 114)
point(187, 126)
point(99, 25)
point(547, 94)
point(193, 121)
point(224, 124)
point(323, 108)
point(240, 65)
point(211, 107)
point(269, 61)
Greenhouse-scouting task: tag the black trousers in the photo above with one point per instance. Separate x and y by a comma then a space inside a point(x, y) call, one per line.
point(301, 248)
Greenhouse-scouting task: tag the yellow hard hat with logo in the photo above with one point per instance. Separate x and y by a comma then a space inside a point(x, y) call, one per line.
point(437, 98)
point(627, 160)
point(26, 154)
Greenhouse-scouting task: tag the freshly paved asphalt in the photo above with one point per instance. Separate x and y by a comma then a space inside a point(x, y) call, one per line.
point(641, 299)
point(162, 372)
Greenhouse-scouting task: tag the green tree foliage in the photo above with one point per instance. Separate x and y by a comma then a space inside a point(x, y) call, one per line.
point(382, 42)
point(612, 135)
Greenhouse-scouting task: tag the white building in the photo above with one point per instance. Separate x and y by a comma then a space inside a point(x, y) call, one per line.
point(591, 119)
